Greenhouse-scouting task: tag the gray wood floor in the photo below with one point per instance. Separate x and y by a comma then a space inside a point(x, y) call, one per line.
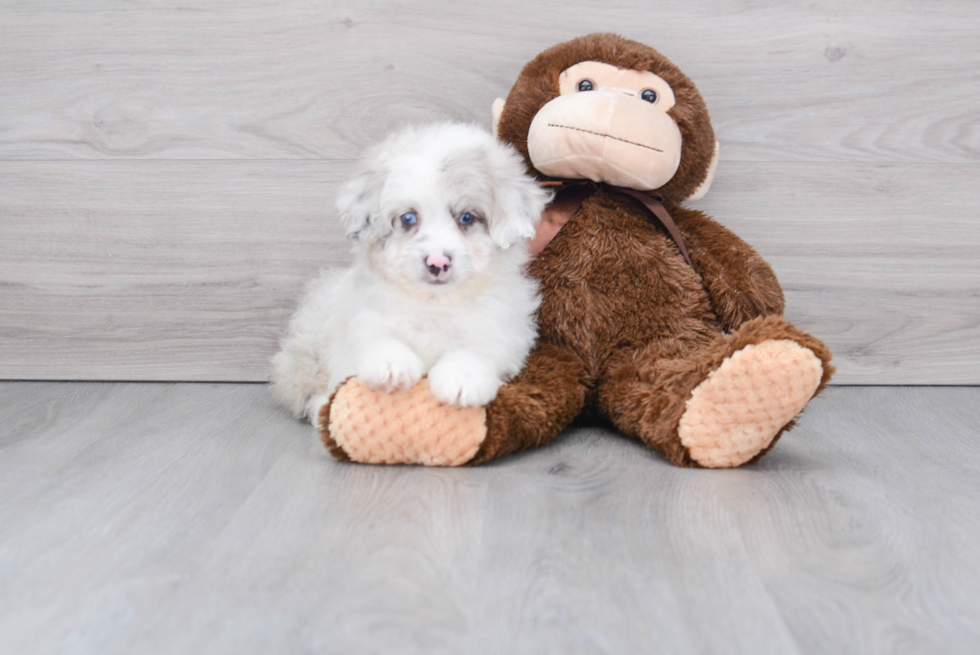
point(199, 518)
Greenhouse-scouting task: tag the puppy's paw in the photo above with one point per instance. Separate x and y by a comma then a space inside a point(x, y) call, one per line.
point(463, 379)
point(391, 366)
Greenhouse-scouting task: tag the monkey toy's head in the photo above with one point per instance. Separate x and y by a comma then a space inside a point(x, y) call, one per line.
point(607, 109)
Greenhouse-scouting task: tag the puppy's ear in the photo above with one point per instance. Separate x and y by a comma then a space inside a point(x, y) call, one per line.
point(518, 198)
point(359, 206)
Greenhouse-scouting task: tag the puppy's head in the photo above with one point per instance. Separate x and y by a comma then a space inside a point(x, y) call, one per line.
point(435, 205)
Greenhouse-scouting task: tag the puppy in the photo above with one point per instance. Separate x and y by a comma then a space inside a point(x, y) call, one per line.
point(439, 218)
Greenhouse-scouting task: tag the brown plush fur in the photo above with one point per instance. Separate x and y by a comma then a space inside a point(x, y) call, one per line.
point(537, 404)
point(324, 421)
point(626, 325)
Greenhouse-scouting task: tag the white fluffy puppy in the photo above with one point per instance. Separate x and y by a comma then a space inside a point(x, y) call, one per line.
point(439, 217)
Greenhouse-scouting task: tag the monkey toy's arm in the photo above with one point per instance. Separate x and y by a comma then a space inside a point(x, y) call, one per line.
point(740, 283)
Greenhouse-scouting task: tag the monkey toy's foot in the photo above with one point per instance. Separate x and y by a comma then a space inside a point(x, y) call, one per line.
point(735, 413)
point(412, 427)
point(406, 427)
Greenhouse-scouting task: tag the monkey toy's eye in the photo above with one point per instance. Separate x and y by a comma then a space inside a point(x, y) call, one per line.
point(409, 219)
point(466, 218)
point(586, 85)
point(649, 95)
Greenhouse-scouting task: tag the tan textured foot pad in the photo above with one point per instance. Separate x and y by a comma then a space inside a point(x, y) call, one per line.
point(735, 413)
point(406, 427)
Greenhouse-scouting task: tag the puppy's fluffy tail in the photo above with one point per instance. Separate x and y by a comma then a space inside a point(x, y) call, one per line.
point(295, 378)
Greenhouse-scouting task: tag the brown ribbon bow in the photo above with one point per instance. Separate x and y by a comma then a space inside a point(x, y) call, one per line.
point(569, 198)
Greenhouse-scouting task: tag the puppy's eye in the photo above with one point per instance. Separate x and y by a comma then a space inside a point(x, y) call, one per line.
point(467, 218)
point(586, 85)
point(409, 219)
point(649, 95)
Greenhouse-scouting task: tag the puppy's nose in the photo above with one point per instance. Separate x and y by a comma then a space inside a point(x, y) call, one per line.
point(438, 263)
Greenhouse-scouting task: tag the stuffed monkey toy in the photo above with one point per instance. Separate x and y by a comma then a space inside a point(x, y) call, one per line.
point(653, 315)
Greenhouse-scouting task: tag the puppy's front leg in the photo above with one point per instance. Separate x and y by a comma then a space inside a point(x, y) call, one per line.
point(389, 365)
point(464, 378)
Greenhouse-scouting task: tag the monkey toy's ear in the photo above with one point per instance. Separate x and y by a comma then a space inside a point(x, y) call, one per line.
point(497, 109)
point(708, 179)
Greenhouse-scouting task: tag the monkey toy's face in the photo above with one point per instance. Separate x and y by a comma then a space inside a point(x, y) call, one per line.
point(594, 109)
point(609, 125)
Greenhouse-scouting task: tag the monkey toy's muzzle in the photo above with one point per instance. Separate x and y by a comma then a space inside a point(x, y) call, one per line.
point(605, 136)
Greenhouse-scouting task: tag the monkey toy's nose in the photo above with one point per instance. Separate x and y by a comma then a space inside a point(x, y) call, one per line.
point(438, 263)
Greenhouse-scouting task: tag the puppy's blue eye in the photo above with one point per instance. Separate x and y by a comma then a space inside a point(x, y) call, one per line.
point(409, 218)
point(586, 85)
point(649, 95)
point(466, 218)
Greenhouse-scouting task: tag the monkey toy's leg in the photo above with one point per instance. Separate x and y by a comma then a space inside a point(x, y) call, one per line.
point(716, 403)
point(411, 427)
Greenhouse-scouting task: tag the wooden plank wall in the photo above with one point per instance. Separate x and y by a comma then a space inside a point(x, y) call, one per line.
point(167, 169)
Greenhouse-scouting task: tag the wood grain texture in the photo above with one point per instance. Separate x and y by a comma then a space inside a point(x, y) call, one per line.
point(167, 170)
point(157, 270)
point(834, 81)
point(189, 270)
point(200, 518)
point(882, 262)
